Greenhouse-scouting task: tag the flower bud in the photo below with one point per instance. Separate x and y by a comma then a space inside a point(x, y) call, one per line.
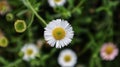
point(20, 26)
point(9, 17)
point(3, 41)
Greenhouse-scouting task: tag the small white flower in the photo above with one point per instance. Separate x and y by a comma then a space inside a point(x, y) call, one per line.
point(58, 33)
point(30, 51)
point(4, 7)
point(67, 58)
point(54, 3)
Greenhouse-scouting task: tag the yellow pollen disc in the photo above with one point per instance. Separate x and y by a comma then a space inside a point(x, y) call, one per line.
point(56, 1)
point(29, 51)
point(58, 33)
point(109, 49)
point(67, 58)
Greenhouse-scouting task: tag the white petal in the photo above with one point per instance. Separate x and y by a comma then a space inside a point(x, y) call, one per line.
point(58, 44)
point(26, 58)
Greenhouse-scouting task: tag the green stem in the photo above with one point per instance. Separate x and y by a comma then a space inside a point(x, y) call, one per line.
point(14, 64)
point(91, 63)
point(91, 43)
point(105, 2)
point(29, 28)
point(111, 26)
point(79, 4)
point(30, 35)
point(31, 21)
point(38, 16)
point(3, 61)
point(85, 48)
point(98, 62)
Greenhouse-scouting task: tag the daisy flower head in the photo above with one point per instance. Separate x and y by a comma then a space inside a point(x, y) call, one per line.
point(4, 7)
point(30, 51)
point(58, 33)
point(109, 51)
point(54, 3)
point(67, 58)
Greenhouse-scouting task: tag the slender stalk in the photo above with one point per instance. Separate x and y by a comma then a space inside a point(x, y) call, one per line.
point(14, 64)
point(29, 27)
point(79, 4)
point(91, 63)
point(3, 61)
point(38, 16)
point(91, 43)
point(85, 48)
point(31, 21)
point(98, 62)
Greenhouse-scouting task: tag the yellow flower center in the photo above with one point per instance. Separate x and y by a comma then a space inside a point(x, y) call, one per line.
point(109, 49)
point(67, 58)
point(56, 1)
point(58, 33)
point(29, 52)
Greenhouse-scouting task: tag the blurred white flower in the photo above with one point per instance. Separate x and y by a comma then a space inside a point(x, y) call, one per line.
point(4, 7)
point(80, 65)
point(109, 51)
point(58, 33)
point(40, 43)
point(67, 58)
point(30, 51)
point(54, 3)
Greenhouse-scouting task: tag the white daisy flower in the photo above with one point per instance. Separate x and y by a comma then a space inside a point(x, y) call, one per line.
point(30, 51)
point(54, 3)
point(4, 7)
point(58, 33)
point(67, 58)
